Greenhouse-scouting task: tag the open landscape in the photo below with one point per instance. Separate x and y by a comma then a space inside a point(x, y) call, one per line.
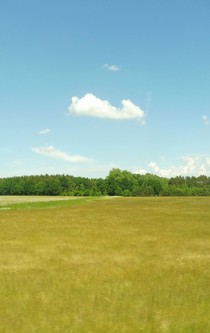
point(105, 166)
point(96, 265)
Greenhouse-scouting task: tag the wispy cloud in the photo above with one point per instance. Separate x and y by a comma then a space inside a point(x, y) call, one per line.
point(45, 131)
point(50, 151)
point(205, 120)
point(189, 166)
point(92, 106)
point(112, 68)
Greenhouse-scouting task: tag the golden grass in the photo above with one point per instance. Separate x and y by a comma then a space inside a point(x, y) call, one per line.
point(125, 265)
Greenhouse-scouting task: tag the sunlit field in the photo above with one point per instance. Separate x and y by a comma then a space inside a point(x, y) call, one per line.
point(10, 199)
point(122, 265)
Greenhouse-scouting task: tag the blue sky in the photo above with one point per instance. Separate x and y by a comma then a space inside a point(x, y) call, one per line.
point(91, 85)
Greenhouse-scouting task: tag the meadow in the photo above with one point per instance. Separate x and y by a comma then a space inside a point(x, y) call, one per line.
point(99, 265)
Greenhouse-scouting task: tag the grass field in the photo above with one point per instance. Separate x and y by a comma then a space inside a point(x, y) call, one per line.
point(122, 265)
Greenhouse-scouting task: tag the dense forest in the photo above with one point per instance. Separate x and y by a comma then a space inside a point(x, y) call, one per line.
point(117, 183)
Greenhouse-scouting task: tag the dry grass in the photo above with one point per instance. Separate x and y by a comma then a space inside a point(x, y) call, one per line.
point(125, 265)
point(12, 199)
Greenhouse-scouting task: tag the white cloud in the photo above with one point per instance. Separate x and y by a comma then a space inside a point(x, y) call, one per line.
point(112, 68)
point(45, 131)
point(90, 105)
point(52, 152)
point(190, 166)
point(153, 166)
point(141, 171)
point(205, 120)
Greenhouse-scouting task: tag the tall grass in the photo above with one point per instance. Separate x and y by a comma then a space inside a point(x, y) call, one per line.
point(125, 265)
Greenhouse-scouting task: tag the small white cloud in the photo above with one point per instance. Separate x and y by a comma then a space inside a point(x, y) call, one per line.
point(141, 171)
point(45, 131)
point(112, 68)
point(52, 152)
point(205, 120)
point(90, 105)
point(154, 166)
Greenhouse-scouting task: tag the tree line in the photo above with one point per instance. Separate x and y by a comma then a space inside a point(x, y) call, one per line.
point(117, 183)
